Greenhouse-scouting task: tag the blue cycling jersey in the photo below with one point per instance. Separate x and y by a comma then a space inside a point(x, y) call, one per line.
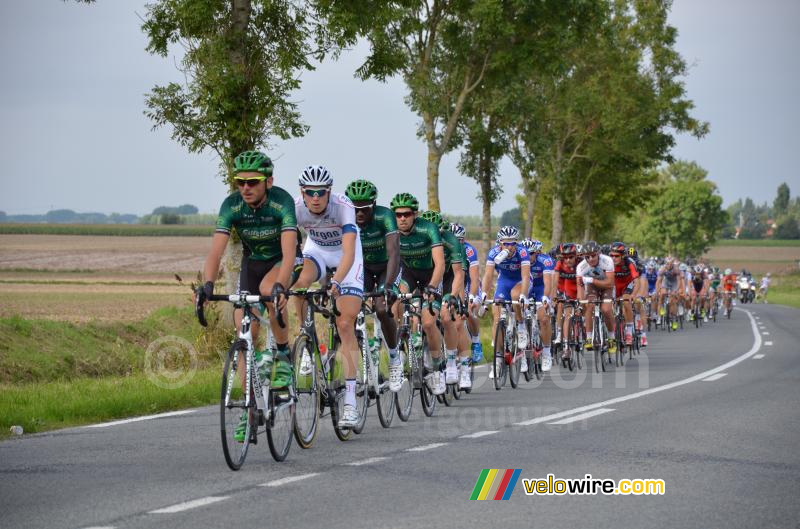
point(542, 264)
point(511, 267)
point(652, 277)
point(472, 260)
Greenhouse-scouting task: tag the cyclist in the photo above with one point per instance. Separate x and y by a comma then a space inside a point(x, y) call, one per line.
point(596, 278)
point(640, 289)
point(513, 266)
point(263, 216)
point(453, 288)
point(472, 288)
point(333, 243)
point(699, 290)
point(565, 279)
point(423, 267)
point(541, 288)
point(729, 288)
point(625, 276)
point(670, 283)
point(381, 251)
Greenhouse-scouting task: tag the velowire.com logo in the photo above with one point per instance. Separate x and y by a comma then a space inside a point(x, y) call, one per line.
point(495, 484)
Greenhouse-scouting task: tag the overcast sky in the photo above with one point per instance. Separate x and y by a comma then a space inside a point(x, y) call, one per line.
point(72, 132)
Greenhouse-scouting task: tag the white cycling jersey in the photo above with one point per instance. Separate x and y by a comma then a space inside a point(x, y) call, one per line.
point(606, 264)
point(326, 229)
point(323, 244)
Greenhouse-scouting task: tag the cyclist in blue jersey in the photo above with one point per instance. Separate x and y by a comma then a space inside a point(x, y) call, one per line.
point(542, 266)
point(513, 266)
point(472, 288)
point(651, 275)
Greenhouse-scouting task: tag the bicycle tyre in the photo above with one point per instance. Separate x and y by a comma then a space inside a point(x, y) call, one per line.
point(307, 391)
point(335, 397)
point(280, 429)
point(426, 396)
point(362, 393)
point(499, 343)
point(384, 399)
point(404, 398)
point(230, 413)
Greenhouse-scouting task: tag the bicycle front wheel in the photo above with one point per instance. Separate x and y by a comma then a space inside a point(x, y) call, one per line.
point(499, 362)
point(306, 423)
point(362, 393)
point(281, 424)
point(235, 412)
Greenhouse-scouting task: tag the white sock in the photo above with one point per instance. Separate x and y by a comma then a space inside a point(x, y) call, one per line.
point(451, 357)
point(393, 354)
point(476, 338)
point(612, 335)
point(629, 327)
point(546, 350)
point(521, 327)
point(350, 391)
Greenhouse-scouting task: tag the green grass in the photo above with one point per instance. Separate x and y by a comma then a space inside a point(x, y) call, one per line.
point(758, 242)
point(43, 406)
point(785, 290)
point(34, 350)
point(116, 230)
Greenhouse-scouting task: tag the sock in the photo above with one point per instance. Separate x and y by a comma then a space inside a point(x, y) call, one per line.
point(350, 391)
point(521, 327)
point(451, 356)
point(629, 327)
point(393, 354)
point(612, 335)
point(546, 350)
point(465, 361)
point(476, 339)
point(437, 363)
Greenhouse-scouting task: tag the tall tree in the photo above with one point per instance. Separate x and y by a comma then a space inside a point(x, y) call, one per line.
point(781, 204)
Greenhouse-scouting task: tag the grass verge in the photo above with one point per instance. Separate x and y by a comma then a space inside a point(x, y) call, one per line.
point(41, 406)
point(785, 290)
point(115, 230)
point(758, 242)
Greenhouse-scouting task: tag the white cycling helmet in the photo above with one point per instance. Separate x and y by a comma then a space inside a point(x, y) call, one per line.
point(526, 243)
point(316, 176)
point(683, 267)
point(507, 232)
point(458, 230)
point(537, 246)
point(728, 271)
point(698, 269)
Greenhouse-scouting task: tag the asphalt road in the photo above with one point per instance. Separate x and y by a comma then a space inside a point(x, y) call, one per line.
point(725, 446)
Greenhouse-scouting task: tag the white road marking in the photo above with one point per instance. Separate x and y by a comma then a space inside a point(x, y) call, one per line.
point(185, 506)
point(425, 447)
point(753, 350)
point(367, 461)
point(767, 343)
point(759, 356)
point(583, 416)
point(143, 418)
point(712, 378)
point(765, 333)
point(478, 434)
point(100, 527)
point(290, 479)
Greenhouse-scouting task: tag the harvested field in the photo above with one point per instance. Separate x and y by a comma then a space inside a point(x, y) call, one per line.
point(758, 259)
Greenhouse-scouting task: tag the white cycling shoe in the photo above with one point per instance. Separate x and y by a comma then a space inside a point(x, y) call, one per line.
point(395, 376)
point(349, 417)
point(547, 362)
point(464, 380)
point(438, 386)
point(522, 338)
point(524, 365)
point(305, 364)
point(451, 373)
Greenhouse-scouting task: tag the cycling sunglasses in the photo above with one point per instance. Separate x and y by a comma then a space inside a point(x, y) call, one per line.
point(363, 208)
point(403, 214)
point(316, 193)
point(252, 182)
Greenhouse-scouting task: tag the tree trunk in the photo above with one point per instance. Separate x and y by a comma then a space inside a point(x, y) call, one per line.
point(434, 159)
point(588, 205)
point(487, 222)
point(558, 222)
point(530, 209)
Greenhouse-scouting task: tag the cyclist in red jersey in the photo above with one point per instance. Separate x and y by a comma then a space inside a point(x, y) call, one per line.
point(624, 274)
point(564, 277)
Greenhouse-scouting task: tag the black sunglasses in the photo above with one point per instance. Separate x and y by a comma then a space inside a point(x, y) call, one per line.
point(403, 214)
point(253, 182)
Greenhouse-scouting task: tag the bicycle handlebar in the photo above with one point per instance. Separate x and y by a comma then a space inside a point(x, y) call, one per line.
point(240, 298)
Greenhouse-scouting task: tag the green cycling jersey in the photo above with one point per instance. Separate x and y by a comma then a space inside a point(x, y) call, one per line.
point(373, 235)
point(416, 246)
point(260, 229)
point(454, 251)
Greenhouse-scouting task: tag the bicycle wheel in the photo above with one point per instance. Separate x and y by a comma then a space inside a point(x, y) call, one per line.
point(384, 398)
point(281, 424)
point(335, 398)
point(530, 372)
point(306, 422)
point(471, 376)
point(426, 396)
point(499, 362)
point(362, 393)
point(514, 369)
point(404, 399)
point(620, 356)
point(232, 407)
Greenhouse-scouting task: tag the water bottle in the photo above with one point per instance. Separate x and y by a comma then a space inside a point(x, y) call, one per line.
point(499, 258)
point(16, 430)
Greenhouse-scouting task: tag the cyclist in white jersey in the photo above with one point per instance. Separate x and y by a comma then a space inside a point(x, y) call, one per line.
point(333, 243)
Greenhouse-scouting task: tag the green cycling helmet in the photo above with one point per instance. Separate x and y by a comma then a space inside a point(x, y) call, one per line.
point(361, 191)
point(432, 216)
point(404, 200)
point(253, 161)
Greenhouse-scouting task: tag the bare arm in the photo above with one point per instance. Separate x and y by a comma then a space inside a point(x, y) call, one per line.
point(526, 279)
point(288, 251)
point(393, 250)
point(437, 252)
point(487, 277)
point(458, 280)
point(218, 243)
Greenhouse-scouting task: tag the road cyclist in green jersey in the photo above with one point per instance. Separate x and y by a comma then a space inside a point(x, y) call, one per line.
point(380, 246)
point(263, 216)
point(453, 289)
point(423, 267)
point(333, 244)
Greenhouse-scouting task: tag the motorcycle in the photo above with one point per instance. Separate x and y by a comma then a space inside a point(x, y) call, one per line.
point(746, 288)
